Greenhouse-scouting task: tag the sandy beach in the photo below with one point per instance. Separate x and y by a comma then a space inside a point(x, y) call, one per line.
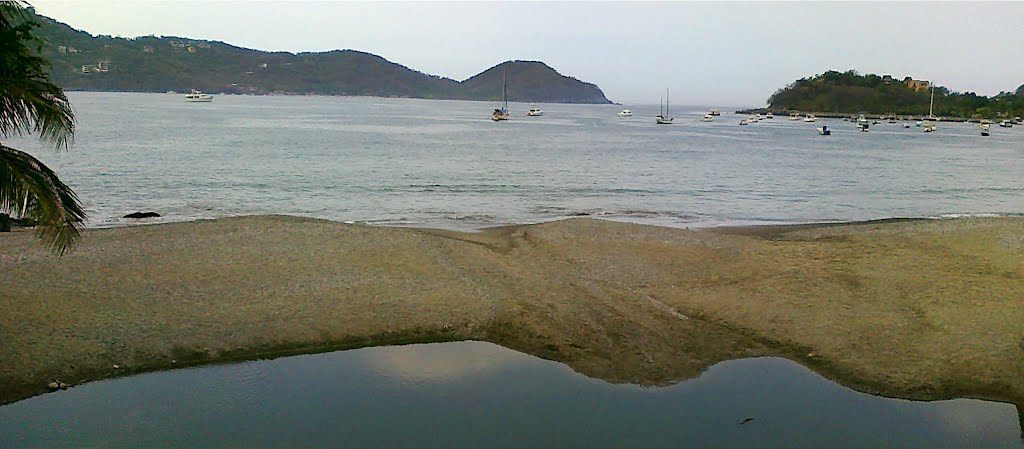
point(925, 309)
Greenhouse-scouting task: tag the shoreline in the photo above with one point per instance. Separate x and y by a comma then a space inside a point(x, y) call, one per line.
point(609, 299)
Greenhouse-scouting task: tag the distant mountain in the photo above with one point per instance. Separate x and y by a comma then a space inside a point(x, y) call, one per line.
point(529, 81)
point(81, 61)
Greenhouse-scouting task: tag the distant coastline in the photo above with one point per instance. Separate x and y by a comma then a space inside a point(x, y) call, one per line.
point(81, 61)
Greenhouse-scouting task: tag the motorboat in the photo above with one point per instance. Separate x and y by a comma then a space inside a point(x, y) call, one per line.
point(769, 115)
point(625, 113)
point(906, 125)
point(795, 115)
point(744, 122)
point(863, 123)
point(708, 118)
point(824, 131)
point(715, 112)
point(534, 111)
point(1006, 124)
point(810, 118)
point(198, 97)
point(984, 129)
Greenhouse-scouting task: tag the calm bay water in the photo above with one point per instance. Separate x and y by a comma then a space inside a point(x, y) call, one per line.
point(473, 394)
point(445, 164)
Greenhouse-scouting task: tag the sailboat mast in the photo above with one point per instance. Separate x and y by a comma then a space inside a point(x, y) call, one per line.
point(666, 103)
point(504, 90)
point(931, 102)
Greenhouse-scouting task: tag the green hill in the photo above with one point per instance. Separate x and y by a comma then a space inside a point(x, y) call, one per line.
point(850, 93)
point(81, 61)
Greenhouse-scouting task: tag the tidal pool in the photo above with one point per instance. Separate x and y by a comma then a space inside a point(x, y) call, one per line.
point(475, 394)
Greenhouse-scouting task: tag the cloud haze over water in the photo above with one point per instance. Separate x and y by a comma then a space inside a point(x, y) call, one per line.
point(708, 53)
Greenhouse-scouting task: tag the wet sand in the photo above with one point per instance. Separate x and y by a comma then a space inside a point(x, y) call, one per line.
point(915, 309)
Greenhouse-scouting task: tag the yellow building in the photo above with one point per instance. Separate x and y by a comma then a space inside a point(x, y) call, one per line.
point(918, 84)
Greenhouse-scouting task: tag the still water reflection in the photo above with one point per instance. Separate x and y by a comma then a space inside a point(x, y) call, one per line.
point(473, 394)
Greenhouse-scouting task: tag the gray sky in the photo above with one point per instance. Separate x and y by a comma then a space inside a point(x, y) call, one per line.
point(724, 53)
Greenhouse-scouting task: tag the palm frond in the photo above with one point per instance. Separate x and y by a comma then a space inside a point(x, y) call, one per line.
point(28, 188)
point(29, 102)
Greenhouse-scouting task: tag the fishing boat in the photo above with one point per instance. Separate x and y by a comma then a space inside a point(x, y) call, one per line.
point(198, 97)
point(663, 118)
point(502, 114)
point(625, 113)
point(534, 111)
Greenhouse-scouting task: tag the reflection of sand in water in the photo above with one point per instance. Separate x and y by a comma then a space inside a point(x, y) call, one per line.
point(440, 363)
point(973, 416)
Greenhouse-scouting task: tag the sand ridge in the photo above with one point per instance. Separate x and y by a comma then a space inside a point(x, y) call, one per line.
point(923, 309)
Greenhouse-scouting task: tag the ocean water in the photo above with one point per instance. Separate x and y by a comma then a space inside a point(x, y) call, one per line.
point(445, 164)
point(473, 395)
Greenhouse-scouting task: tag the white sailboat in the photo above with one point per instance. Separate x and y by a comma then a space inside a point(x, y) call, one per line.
point(929, 122)
point(502, 114)
point(663, 118)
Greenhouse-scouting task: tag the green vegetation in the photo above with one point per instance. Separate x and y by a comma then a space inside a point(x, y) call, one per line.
point(160, 64)
point(31, 104)
point(849, 93)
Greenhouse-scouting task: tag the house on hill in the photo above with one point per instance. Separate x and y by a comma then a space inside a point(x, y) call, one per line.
point(917, 84)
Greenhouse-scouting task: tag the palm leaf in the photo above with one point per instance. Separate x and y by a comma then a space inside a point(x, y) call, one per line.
point(29, 102)
point(29, 188)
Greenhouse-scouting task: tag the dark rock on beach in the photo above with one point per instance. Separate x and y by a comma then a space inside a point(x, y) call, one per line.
point(142, 215)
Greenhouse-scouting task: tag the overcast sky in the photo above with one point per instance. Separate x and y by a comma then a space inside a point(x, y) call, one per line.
point(719, 53)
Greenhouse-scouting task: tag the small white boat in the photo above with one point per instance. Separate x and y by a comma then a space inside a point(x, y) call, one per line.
point(198, 97)
point(625, 113)
point(906, 125)
point(928, 127)
point(708, 118)
point(744, 122)
point(810, 118)
point(534, 111)
point(984, 129)
point(1006, 124)
point(794, 115)
point(863, 123)
point(769, 115)
point(824, 131)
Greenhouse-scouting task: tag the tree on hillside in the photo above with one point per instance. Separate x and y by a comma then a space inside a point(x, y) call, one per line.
point(31, 104)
